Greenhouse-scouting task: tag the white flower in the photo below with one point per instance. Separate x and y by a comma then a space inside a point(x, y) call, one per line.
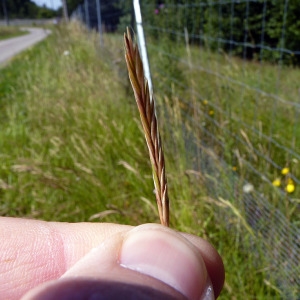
point(66, 53)
point(248, 188)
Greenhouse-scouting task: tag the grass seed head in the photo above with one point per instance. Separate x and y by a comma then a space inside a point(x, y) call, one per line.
point(146, 108)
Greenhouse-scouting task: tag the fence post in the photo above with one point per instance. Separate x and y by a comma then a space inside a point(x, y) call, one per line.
point(98, 4)
point(80, 13)
point(87, 16)
point(142, 43)
point(65, 10)
point(6, 18)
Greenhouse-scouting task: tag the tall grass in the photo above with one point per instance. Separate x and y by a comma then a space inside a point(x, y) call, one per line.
point(237, 135)
point(72, 149)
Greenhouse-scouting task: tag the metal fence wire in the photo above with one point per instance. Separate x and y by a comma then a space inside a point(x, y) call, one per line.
point(233, 69)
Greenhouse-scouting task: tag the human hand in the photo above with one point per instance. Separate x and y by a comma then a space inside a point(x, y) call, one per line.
point(78, 261)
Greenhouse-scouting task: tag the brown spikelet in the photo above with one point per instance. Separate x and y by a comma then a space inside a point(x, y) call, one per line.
point(146, 108)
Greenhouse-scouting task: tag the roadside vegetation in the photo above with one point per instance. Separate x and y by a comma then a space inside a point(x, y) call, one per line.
point(7, 32)
point(236, 114)
point(72, 149)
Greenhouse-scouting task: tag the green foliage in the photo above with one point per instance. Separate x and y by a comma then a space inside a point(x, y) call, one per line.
point(126, 15)
point(260, 30)
point(283, 30)
point(25, 9)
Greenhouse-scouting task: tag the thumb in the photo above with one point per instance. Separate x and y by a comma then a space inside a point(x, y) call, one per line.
point(148, 262)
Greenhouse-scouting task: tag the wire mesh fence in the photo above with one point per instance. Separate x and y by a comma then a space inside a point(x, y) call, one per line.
point(232, 68)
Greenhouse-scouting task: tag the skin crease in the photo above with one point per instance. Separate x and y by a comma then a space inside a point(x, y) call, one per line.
point(33, 252)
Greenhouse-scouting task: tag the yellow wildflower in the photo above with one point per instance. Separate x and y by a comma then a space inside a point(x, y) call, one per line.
point(205, 102)
point(285, 171)
point(234, 168)
point(290, 187)
point(276, 182)
point(211, 112)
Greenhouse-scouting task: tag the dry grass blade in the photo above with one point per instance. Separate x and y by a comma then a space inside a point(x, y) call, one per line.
point(149, 121)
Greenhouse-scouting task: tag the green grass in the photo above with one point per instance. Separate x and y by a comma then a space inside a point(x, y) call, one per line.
point(238, 117)
point(72, 148)
point(199, 81)
point(10, 32)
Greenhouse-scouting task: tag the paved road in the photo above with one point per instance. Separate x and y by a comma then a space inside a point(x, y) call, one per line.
point(10, 47)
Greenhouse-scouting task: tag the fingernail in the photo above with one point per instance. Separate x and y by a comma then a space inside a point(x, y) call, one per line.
point(208, 293)
point(167, 256)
